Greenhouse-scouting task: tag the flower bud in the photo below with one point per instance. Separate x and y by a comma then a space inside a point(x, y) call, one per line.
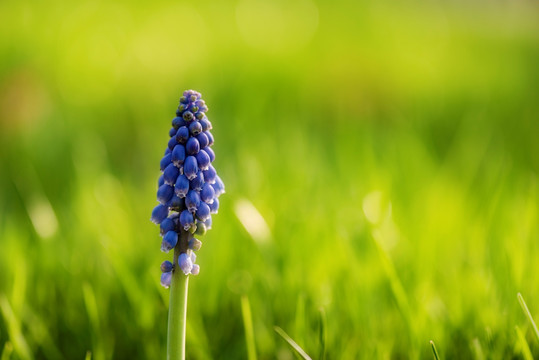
point(185, 263)
point(210, 153)
point(170, 239)
point(210, 137)
point(164, 193)
point(186, 220)
point(165, 161)
point(203, 160)
point(202, 140)
point(159, 213)
point(195, 270)
point(190, 167)
point(198, 182)
point(206, 124)
point(172, 142)
point(192, 146)
point(192, 200)
point(195, 244)
point(214, 206)
point(166, 226)
point(203, 211)
point(195, 128)
point(178, 155)
point(207, 193)
point(182, 186)
point(209, 175)
point(171, 173)
point(188, 116)
point(166, 279)
point(166, 266)
point(182, 135)
point(177, 122)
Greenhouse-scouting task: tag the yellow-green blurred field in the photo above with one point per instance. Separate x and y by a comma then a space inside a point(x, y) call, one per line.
point(380, 157)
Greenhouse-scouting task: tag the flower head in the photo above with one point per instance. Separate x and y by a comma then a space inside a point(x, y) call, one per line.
point(188, 187)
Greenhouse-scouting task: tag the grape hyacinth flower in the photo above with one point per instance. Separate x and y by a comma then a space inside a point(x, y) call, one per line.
point(187, 193)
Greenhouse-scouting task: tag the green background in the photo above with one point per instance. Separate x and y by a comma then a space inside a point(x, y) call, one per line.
point(380, 158)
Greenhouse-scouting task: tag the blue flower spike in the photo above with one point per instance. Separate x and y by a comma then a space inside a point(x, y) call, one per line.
point(188, 187)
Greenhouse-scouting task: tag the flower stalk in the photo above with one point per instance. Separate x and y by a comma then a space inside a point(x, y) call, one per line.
point(177, 313)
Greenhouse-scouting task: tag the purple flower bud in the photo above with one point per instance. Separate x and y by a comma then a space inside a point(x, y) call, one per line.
point(200, 102)
point(210, 152)
point(166, 266)
point(210, 137)
point(170, 239)
point(166, 226)
point(195, 128)
point(194, 244)
point(166, 279)
point(181, 109)
point(172, 132)
point(185, 263)
point(177, 122)
point(209, 175)
point(208, 223)
point(182, 135)
point(206, 124)
point(200, 115)
point(184, 100)
point(192, 146)
point(178, 155)
point(198, 182)
point(203, 160)
point(165, 161)
point(218, 186)
point(171, 173)
point(207, 193)
point(190, 167)
point(188, 116)
point(203, 211)
point(186, 220)
point(172, 142)
point(214, 206)
point(202, 140)
point(193, 257)
point(159, 213)
point(193, 108)
point(182, 186)
point(195, 270)
point(164, 193)
point(176, 203)
point(160, 181)
point(192, 200)
point(167, 151)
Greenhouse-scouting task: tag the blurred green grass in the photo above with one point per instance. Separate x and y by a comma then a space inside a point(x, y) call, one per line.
point(390, 149)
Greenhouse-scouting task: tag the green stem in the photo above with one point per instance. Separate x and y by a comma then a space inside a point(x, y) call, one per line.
point(177, 312)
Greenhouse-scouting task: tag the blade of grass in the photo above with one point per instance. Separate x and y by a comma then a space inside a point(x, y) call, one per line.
point(523, 344)
point(248, 324)
point(528, 314)
point(14, 329)
point(8, 349)
point(292, 343)
point(478, 351)
point(434, 351)
point(322, 335)
point(300, 320)
point(88, 355)
point(93, 314)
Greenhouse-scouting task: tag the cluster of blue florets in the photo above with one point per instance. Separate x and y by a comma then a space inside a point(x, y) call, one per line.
point(189, 187)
